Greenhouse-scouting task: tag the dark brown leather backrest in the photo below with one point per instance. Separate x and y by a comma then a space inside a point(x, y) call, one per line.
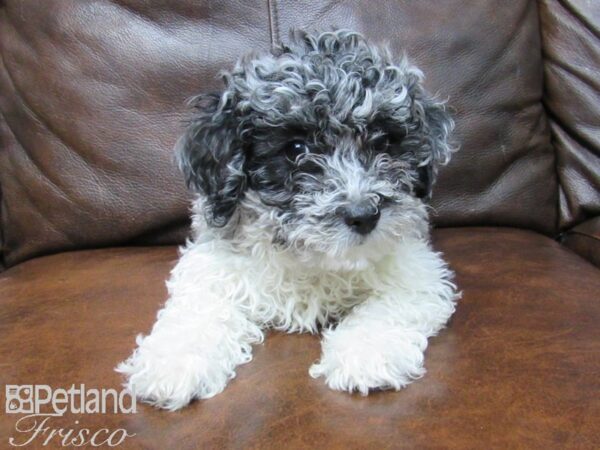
point(571, 44)
point(92, 98)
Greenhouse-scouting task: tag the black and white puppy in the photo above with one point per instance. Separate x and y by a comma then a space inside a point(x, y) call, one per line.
point(312, 168)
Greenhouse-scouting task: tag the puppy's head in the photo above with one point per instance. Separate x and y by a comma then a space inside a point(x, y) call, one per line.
point(325, 145)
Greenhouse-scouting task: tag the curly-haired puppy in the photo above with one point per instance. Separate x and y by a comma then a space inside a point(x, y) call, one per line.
point(312, 168)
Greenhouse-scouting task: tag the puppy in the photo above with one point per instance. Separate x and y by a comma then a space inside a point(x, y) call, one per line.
point(312, 170)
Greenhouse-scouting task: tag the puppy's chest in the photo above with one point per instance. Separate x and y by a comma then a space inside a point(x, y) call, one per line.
point(301, 303)
point(332, 293)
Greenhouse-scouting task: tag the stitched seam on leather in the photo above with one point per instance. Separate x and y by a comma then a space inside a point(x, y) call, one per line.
point(273, 26)
point(549, 119)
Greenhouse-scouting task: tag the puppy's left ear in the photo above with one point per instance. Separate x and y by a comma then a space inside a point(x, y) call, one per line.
point(211, 156)
point(436, 127)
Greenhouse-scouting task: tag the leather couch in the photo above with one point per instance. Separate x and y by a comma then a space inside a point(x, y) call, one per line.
point(92, 208)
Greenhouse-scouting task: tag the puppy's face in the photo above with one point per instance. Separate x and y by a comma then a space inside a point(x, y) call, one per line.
point(326, 145)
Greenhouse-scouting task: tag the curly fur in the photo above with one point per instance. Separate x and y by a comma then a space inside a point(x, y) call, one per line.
point(297, 139)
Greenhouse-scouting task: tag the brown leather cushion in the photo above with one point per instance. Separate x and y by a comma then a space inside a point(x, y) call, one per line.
point(517, 367)
point(92, 96)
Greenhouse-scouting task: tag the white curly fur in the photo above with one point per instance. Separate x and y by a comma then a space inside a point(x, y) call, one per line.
point(224, 293)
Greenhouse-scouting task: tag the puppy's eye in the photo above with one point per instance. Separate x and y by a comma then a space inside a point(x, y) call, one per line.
point(295, 148)
point(387, 143)
point(381, 144)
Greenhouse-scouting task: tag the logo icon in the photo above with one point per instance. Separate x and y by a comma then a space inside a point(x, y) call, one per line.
point(19, 399)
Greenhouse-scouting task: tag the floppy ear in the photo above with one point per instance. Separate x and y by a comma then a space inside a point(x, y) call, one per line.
point(211, 156)
point(436, 126)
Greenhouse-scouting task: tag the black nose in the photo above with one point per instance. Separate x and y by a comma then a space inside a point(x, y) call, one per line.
point(362, 217)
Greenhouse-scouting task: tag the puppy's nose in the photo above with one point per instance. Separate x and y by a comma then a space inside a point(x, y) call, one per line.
point(361, 217)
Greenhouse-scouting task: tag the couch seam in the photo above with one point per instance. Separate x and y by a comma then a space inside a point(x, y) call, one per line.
point(579, 233)
point(549, 121)
point(273, 25)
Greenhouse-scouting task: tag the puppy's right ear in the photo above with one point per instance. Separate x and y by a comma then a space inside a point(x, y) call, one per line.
point(211, 156)
point(436, 127)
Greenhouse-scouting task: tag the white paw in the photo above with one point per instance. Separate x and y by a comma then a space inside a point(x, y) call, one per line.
point(362, 359)
point(171, 381)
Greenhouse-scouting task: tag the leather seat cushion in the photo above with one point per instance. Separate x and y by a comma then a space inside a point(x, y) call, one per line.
point(517, 366)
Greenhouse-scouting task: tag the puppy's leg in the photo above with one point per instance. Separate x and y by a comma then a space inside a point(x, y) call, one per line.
point(200, 336)
point(380, 343)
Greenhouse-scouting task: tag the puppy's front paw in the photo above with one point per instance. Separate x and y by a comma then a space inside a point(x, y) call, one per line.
point(360, 359)
point(172, 381)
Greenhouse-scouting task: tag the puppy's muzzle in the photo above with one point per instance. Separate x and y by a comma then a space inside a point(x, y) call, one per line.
point(361, 217)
